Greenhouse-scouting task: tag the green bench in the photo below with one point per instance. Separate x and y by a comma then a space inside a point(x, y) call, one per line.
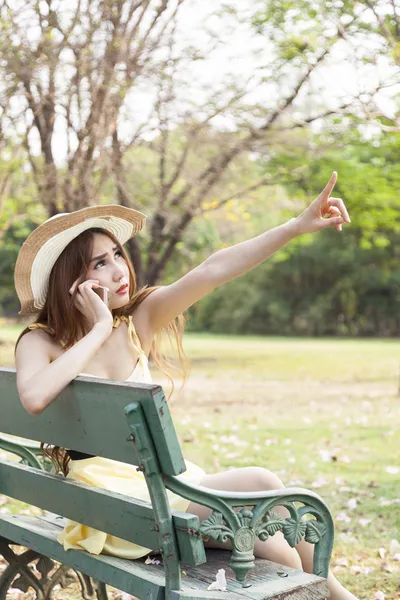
point(131, 423)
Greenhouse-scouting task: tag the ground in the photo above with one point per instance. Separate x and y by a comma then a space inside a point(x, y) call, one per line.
point(322, 414)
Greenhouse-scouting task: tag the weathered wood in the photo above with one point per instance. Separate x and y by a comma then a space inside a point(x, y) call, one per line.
point(265, 580)
point(119, 515)
point(163, 432)
point(112, 513)
point(81, 417)
point(191, 547)
point(147, 581)
point(133, 577)
point(131, 423)
point(149, 464)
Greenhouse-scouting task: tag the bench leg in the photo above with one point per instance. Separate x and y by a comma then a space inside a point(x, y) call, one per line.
point(30, 569)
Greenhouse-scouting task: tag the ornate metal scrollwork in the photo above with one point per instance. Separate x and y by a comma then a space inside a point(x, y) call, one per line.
point(32, 570)
point(242, 517)
point(249, 526)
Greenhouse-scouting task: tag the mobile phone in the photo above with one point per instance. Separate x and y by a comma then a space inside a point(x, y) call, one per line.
point(103, 293)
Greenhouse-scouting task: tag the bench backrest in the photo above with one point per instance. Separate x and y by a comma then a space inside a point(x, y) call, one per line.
point(89, 416)
point(101, 418)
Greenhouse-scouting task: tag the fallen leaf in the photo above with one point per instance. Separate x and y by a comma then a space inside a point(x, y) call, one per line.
point(152, 561)
point(342, 516)
point(396, 556)
point(319, 482)
point(382, 552)
point(352, 503)
point(325, 455)
point(392, 470)
point(361, 570)
point(220, 582)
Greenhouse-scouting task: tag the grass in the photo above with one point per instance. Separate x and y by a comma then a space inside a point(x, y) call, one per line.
point(322, 414)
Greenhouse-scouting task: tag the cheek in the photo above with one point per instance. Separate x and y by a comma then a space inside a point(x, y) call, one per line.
point(93, 274)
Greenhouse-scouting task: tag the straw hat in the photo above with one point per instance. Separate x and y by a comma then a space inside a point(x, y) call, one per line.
point(45, 244)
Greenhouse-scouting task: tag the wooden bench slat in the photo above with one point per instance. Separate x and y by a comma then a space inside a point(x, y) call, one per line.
point(147, 581)
point(84, 418)
point(165, 440)
point(122, 516)
point(265, 581)
point(133, 577)
point(191, 547)
point(106, 511)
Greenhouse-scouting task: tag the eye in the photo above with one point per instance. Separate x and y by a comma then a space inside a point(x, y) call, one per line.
point(103, 262)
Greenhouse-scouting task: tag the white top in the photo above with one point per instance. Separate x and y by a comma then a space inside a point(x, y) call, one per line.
point(141, 372)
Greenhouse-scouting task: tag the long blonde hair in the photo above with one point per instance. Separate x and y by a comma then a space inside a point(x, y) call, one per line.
point(60, 318)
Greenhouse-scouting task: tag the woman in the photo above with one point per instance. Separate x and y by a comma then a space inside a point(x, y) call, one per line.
point(60, 267)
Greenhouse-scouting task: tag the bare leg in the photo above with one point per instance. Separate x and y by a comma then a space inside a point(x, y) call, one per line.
point(276, 549)
point(306, 551)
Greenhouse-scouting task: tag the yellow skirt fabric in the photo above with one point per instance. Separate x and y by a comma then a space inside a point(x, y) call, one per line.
point(123, 479)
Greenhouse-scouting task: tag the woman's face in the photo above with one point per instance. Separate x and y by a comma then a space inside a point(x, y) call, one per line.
point(110, 268)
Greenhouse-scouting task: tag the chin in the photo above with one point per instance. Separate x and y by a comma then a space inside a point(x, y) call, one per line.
point(118, 303)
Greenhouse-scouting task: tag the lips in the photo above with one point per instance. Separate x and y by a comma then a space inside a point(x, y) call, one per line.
point(122, 289)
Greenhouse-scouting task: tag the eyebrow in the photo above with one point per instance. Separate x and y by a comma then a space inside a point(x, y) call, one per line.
point(103, 255)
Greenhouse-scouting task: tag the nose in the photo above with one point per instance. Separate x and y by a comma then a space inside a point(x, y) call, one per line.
point(118, 272)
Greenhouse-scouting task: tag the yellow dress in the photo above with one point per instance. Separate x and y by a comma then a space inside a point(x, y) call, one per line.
point(121, 478)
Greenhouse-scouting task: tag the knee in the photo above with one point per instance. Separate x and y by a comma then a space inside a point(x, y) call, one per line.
point(266, 480)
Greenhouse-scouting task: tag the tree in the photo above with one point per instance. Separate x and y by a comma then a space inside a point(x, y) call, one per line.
point(366, 33)
point(76, 68)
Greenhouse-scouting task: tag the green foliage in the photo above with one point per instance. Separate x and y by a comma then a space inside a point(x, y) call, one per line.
point(329, 283)
point(10, 244)
point(329, 287)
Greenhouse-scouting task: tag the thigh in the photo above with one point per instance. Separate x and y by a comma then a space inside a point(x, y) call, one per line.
point(245, 479)
point(248, 479)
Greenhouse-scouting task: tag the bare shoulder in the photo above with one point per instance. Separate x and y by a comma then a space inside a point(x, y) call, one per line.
point(37, 340)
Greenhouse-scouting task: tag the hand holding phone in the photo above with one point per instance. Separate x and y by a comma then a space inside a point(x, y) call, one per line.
point(103, 293)
point(94, 311)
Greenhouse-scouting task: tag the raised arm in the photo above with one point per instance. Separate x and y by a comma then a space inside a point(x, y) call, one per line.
point(169, 301)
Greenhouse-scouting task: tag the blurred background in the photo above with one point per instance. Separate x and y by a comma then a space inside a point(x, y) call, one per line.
point(220, 120)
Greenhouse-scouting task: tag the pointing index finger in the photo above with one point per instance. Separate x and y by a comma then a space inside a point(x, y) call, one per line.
point(330, 185)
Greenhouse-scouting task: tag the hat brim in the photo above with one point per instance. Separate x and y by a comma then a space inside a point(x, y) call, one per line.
point(44, 245)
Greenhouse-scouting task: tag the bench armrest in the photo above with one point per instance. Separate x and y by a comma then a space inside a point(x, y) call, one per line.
point(27, 454)
point(257, 519)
